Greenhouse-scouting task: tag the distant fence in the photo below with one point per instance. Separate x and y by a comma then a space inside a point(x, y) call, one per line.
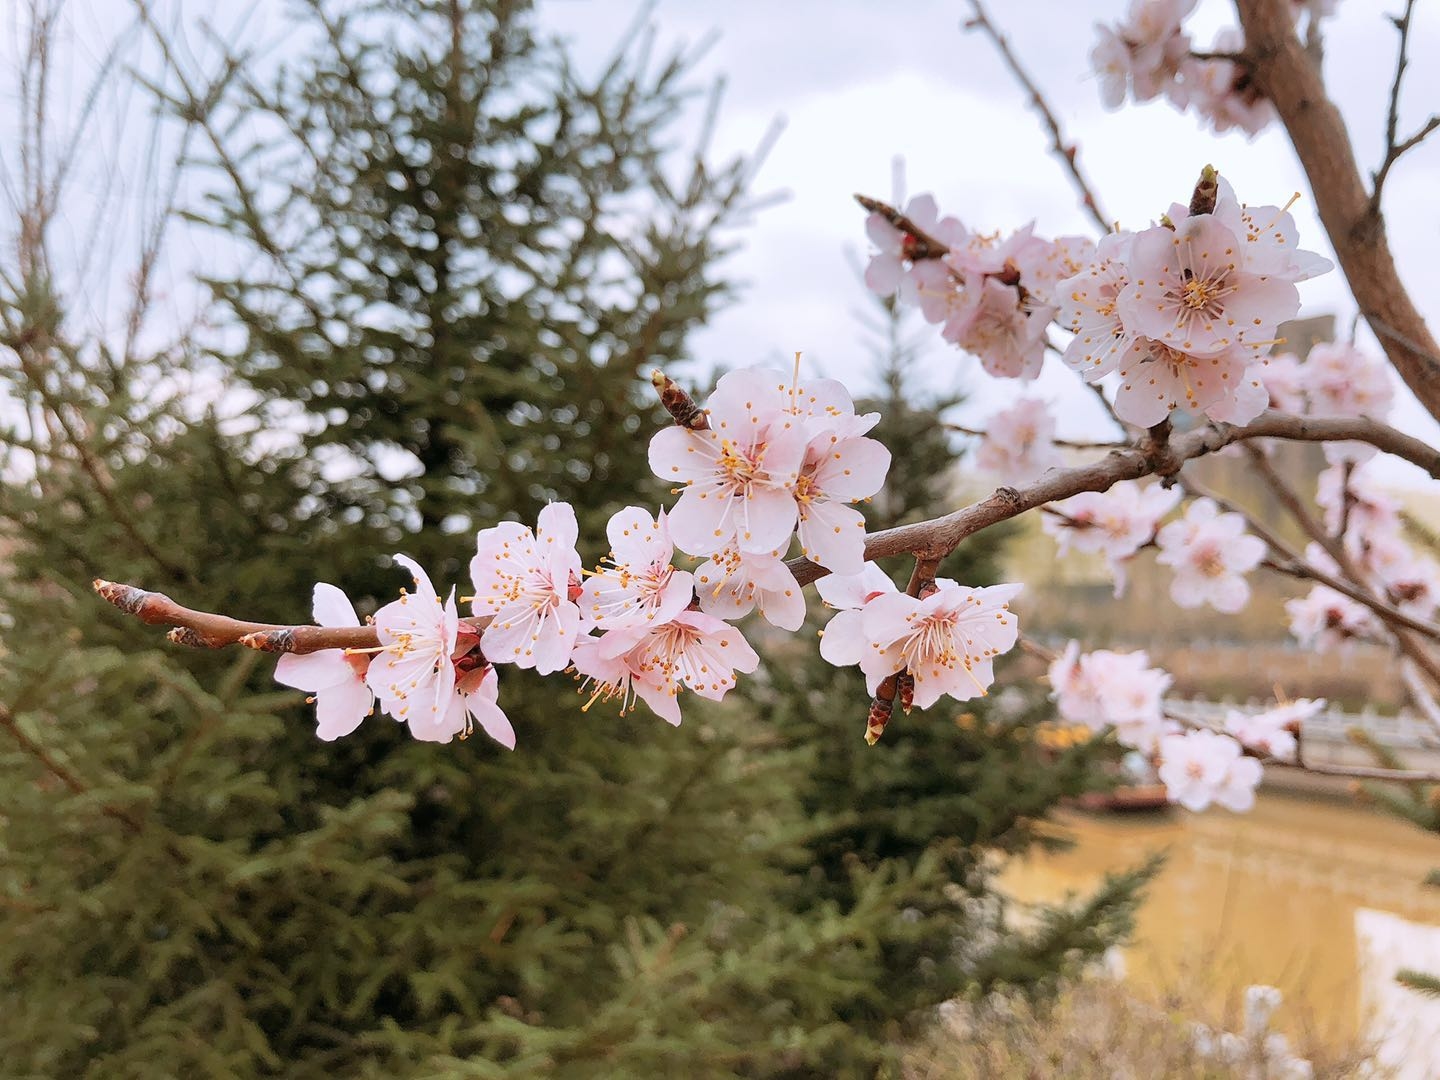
point(1401, 731)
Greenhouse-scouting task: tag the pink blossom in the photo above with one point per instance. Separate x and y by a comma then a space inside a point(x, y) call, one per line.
point(733, 583)
point(655, 662)
point(1190, 292)
point(1201, 767)
point(1156, 379)
point(1272, 239)
point(1019, 443)
point(1211, 552)
point(1326, 620)
point(886, 270)
point(426, 673)
point(1089, 308)
point(1345, 381)
point(640, 585)
point(948, 641)
point(992, 323)
point(1268, 732)
point(740, 475)
point(1223, 92)
point(1103, 689)
point(1043, 265)
point(1245, 398)
point(1114, 523)
point(1284, 382)
point(1144, 51)
point(843, 640)
point(1351, 494)
point(837, 471)
point(523, 580)
point(334, 676)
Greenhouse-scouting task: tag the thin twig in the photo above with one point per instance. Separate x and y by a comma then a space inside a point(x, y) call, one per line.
point(1067, 152)
point(1394, 150)
point(1069, 444)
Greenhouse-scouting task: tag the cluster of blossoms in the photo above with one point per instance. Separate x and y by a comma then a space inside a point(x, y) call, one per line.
point(1182, 313)
point(769, 462)
point(1115, 524)
point(1104, 689)
point(1148, 54)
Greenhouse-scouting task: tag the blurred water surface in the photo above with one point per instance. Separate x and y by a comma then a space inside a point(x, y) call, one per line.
point(1319, 897)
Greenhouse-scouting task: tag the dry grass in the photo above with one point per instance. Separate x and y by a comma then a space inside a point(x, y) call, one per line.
point(1097, 1030)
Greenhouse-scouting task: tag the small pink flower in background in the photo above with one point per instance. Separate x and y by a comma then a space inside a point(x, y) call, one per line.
point(886, 270)
point(843, 640)
point(1143, 52)
point(993, 324)
point(1222, 91)
point(1268, 732)
point(337, 679)
point(1103, 689)
point(947, 642)
point(693, 651)
point(1115, 523)
point(1089, 307)
point(1188, 291)
point(1019, 443)
point(1326, 620)
point(1284, 382)
point(1361, 503)
point(732, 584)
point(523, 579)
point(1341, 380)
point(1210, 552)
point(640, 585)
point(1201, 767)
point(740, 475)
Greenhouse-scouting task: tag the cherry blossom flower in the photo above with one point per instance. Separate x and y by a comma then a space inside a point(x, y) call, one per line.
point(426, 673)
point(1156, 378)
point(1103, 689)
point(1223, 92)
point(640, 585)
point(992, 323)
point(1351, 494)
point(1019, 443)
point(886, 270)
point(1269, 732)
point(1143, 52)
point(1272, 239)
point(947, 642)
point(1342, 380)
point(837, 471)
point(740, 475)
point(655, 662)
point(1115, 523)
point(1284, 382)
point(1088, 306)
point(1201, 767)
point(1190, 292)
point(1326, 620)
point(334, 676)
point(733, 583)
point(1211, 552)
point(523, 580)
point(843, 640)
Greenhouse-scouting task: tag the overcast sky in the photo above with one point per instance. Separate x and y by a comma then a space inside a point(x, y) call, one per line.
point(858, 84)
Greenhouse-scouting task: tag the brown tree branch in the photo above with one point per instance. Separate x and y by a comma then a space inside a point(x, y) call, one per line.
point(1285, 73)
point(1066, 152)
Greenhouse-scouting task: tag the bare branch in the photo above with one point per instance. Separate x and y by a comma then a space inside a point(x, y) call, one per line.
point(1069, 444)
point(1066, 152)
point(1393, 149)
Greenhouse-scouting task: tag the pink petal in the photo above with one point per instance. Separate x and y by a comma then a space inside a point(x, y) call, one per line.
point(680, 455)
point(555, 639)
point(853, 469)
point(833, 535)
point(763, 522)
point(555, 526)
point(492, 720)
point(661, 697)
point(340, 709)
point(844, 641)
point(314, 671)
point(701, 523)
point(332, 607)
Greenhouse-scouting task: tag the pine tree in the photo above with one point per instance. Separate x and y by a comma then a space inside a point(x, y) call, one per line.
point(459, 257)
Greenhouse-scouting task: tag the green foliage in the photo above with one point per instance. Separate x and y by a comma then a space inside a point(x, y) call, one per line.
point(459, 255)
point(1419, 981)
